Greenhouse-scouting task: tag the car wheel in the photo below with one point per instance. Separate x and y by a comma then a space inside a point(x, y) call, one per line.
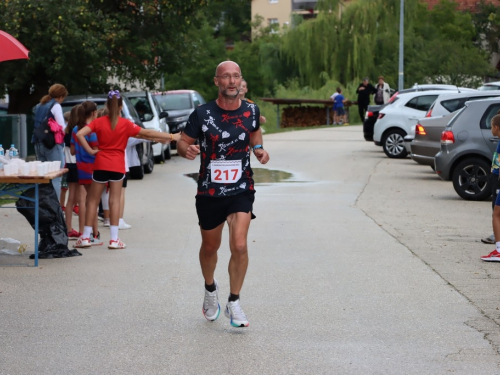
point(394, 144)
point(137, 173)
point(168, 153)
point(160, 158)
point(149, 166)
point(471, 179)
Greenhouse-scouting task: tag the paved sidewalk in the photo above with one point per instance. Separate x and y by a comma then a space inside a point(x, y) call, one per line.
point(329, 290)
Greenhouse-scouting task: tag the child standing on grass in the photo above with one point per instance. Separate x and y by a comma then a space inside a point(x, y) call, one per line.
point(494, 256)
point(113, 133)
point(85, 164)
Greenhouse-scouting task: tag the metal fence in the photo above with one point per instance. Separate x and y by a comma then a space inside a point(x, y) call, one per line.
point(17, 130)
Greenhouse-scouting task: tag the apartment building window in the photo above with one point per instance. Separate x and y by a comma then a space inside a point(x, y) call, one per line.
point(274, 24)
point(273, 1)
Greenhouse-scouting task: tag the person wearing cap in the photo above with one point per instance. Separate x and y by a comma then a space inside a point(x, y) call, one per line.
point(364, 90)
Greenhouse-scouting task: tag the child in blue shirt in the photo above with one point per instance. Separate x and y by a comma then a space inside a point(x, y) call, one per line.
point(338, 108)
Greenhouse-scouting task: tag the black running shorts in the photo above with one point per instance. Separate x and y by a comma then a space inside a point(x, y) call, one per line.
point(72, 175)
point(212, 212)
point(104, 177)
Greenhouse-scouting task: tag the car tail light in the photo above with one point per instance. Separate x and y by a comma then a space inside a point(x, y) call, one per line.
point(381, 115)
point(369, 114)
point(429, 113)
point(447, 137)
point(420, 130)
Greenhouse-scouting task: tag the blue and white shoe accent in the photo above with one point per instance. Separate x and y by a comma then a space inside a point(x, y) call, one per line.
point(236, 315)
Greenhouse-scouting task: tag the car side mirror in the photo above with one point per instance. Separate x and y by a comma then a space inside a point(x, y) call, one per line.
point(163, 114)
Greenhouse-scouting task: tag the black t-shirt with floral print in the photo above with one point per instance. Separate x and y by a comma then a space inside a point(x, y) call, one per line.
point(224, 136)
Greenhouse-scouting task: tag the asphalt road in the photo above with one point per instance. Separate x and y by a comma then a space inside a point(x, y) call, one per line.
point(358, 265)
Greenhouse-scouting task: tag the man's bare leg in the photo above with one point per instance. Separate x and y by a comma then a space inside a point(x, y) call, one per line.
point(239, 224)
point(210, 244)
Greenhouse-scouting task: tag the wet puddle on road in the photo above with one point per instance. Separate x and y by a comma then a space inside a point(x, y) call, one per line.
point(263, 176)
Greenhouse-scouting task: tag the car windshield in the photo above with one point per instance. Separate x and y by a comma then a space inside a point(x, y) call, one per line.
point(171, 102)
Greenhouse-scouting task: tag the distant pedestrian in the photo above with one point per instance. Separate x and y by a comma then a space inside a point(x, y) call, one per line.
point(50, 106)
point(494, 256)
point(364, 90)
point(242, 95)
point(383, 93)
point(338, 108)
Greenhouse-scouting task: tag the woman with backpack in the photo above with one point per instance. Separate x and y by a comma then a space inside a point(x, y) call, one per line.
point(50, 106)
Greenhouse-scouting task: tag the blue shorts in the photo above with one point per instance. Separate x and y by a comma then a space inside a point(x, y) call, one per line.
point(340, 111)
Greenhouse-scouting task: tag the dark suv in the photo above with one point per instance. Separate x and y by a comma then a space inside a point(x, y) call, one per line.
point(144, 149)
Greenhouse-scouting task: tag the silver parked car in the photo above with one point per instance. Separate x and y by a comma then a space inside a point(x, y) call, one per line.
point(467, 147)
point(427, 141)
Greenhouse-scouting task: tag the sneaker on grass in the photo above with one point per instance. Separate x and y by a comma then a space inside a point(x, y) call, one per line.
point(235, 313)
point(211, 307)
point(494, 256)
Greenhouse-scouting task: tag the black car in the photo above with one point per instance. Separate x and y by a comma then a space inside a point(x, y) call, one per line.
point(144, 149)
point(179, 104)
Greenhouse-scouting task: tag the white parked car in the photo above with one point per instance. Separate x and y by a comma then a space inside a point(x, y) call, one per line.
point(490, 86)
point(153, 117)
point(448, 103)
point(396, 120)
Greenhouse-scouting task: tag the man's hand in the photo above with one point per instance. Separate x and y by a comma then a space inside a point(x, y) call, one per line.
point(261, 155)
point(192, 151)
point(361, 88)
point(262, 119)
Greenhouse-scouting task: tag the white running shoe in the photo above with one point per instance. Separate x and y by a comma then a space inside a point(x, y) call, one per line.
point(211, 307)
point(106, 223)
point(235, 313)
point(116, 245)
point(123, 225)
point(82, 243)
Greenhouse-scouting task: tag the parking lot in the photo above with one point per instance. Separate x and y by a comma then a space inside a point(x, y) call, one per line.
point(359, 264)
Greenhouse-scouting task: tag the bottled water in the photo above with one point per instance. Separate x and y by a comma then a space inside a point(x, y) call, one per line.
point(13, 154)
point(2, 153)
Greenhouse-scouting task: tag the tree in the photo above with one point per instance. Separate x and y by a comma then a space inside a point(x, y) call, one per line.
point(80, 43)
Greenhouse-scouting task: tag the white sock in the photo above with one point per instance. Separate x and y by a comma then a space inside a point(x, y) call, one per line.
point(86, 232)
point(121, 221)
point(498, 246)
point(113, 232)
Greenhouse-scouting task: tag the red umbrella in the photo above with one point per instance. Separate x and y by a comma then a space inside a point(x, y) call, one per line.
point(11, 48)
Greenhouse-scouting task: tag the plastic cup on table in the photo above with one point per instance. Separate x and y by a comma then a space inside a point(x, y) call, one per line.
point(57, 166)
point(26, 169)
point(15, 168)
point(40, 169)
point(7, 169)
point(32, 166)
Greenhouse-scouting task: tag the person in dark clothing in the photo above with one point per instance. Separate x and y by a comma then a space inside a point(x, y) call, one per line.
point(364, 90)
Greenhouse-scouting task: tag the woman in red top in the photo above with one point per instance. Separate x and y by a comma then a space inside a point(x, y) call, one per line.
point(113, 133)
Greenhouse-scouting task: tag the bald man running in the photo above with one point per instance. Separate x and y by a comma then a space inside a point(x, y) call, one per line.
point(227, 129)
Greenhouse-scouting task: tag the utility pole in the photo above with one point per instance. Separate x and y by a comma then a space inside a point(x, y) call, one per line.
point(401, 45)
